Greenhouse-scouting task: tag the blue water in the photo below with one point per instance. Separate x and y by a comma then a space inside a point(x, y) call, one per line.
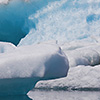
point(18, 97)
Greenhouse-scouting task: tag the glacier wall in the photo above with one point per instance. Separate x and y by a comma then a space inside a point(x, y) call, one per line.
point(62, 20)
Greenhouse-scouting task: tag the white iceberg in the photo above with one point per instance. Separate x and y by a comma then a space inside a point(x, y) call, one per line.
point(82, 53)
point(79, 78)
point(22, 67)
point(84, 72)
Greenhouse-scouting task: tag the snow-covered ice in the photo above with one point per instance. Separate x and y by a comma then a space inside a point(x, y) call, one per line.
point(67, 21)
point(84, 71)
point(82, 53)
point(79, 78)
point(22, 67)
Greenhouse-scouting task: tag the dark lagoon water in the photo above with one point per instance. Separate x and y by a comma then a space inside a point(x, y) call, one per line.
point(18, 97)
point(56, 95)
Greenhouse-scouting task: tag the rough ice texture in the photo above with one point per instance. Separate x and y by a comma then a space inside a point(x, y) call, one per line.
point(80, 78)
point(82, 53)
point(84, 72)
point(36, 60)
point(65, 20)
point(22, 67)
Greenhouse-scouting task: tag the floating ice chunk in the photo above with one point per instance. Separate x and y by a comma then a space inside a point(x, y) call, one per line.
point(84, 56)
point(82, 53)
point(80, 78)
point(21, 68)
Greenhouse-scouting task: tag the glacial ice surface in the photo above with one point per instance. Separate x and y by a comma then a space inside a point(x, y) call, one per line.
point(66, 21)
point(84, 63)
point(79, 78)
point(82, 53)
point(23, 66)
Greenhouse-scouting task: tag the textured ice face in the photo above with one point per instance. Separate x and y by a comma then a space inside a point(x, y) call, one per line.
point(62, 20)
point(82, 53)
point(65, 20)
point(84, 62)
point(79, 78)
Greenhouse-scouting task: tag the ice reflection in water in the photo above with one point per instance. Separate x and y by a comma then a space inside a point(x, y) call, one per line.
point(56, 95)
point(64, 95)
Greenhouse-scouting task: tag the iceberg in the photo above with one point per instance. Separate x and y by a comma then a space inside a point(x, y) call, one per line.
point(73, 25)
point(21, 67)
point(82, 53)
point(83, 74)
point(82, 78)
